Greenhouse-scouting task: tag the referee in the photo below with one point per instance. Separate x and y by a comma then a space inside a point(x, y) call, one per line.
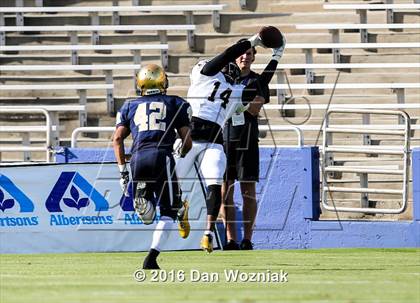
point(241, 147)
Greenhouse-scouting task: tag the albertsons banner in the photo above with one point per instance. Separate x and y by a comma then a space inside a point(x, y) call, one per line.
point(78, 208)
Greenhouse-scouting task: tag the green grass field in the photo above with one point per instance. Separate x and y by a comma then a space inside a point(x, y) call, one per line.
point(328, 275)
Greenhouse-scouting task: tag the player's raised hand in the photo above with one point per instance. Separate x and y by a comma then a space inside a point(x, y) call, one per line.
point(124, 180)
point(278, 52)
point(256, 41)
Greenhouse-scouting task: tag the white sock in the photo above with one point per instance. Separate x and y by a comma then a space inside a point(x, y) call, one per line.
point(161, 233)
point(208, 232)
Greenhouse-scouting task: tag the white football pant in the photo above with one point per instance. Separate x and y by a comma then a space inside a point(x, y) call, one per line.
point(210, 160)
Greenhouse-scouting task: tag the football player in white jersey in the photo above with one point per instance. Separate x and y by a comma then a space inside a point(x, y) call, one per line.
point(214, 98)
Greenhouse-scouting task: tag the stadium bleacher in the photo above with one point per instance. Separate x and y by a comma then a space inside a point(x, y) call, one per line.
point(338, 198)
point(36, 50)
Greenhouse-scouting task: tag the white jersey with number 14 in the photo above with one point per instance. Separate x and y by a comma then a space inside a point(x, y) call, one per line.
point(212, 98)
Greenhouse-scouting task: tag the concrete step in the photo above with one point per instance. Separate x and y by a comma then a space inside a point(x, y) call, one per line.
point(329, 76)
point(326, 76)
point(102, 2)
point(176, 40)
point(30, 100)
point(313, 99)
point(58, 77)
point(230, 21)
point(296, 7)
point(177, 59)
point(290, 139)
point(182, 90)
point(337, 197)
point(412, 35)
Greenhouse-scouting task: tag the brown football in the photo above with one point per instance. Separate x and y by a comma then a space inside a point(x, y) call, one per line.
point(271, 37)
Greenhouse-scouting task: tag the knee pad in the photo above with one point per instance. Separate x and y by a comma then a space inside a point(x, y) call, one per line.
point(214, 199)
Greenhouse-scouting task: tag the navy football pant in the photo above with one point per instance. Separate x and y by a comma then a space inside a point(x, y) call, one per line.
point(156, 167)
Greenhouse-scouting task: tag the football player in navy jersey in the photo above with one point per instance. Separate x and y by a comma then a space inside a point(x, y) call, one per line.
point(153, 120)
point(214, 98)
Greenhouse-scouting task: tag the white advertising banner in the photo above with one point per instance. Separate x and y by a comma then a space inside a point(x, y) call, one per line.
point(80, 207)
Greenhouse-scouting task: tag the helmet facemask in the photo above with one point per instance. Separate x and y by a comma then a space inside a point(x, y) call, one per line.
point(231, 72)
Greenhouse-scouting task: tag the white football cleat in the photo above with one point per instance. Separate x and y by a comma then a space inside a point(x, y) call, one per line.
point(143, 207)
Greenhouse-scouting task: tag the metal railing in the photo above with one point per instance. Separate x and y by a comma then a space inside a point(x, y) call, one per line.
point(92, 129)
point(363, 172)
point(297, 130)
point(103, 129)
point(26, 149)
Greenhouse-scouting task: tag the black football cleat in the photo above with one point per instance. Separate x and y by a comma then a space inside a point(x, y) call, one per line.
point(231, 245)
point(246, 245)
point(150, 260)
point(150, 264)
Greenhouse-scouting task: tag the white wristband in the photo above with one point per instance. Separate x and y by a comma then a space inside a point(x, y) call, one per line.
point(122, 167)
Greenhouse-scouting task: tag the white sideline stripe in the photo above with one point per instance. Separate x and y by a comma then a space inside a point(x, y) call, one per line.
point(83, 47)
point(341, 65)
point(76, 28)
point(69, 67)
point(344, 85)
point(371, 6)
point(341, 106)
point(358, 26)
point(143, 8)
point(56, 86)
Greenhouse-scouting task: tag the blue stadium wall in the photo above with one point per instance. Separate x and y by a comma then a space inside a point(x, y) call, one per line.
point(289, 204)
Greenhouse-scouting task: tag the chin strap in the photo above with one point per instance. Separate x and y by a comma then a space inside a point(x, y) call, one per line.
point(152, 91)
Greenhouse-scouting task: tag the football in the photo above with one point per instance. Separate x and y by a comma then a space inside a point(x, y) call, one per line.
point(271, 36)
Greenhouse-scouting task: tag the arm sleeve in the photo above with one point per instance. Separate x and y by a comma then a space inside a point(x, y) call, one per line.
point(230, 54)
point(268, 73)
point(266, 93)
point(122, 116)
point(260, 86)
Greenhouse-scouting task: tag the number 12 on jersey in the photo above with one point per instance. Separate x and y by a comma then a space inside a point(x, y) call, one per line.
point(149, 116)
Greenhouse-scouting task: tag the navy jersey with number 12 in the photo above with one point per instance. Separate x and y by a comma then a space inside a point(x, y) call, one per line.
point(153, 119)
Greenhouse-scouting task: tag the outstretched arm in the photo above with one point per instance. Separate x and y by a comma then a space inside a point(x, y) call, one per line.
point(271, 67)
point(255, 88)
point(230, 54)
